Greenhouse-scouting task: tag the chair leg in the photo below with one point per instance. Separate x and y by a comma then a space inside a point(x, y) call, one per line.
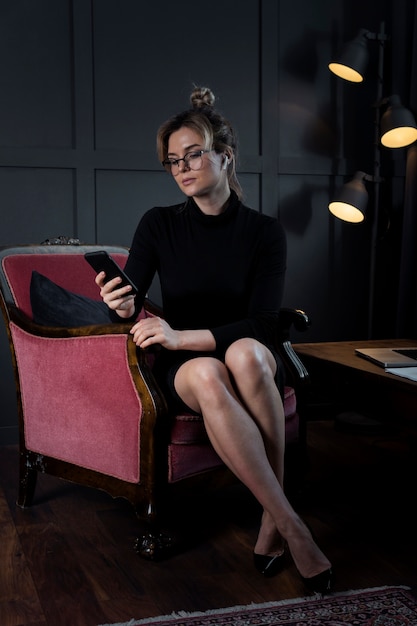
point(27, 481)
point(155, 545)
point(157, 542)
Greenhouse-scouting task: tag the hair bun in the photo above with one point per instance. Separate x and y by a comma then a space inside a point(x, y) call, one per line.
point(202, 97)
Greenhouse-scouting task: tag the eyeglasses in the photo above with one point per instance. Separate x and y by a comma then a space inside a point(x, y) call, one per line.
point(192, 160)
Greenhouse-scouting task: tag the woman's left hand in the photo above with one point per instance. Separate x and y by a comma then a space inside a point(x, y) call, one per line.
point(151, 330)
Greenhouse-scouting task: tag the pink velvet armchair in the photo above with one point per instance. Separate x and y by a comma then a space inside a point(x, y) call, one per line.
point(89, 408)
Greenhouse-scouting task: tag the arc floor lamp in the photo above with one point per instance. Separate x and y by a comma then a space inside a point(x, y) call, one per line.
point(395, 128)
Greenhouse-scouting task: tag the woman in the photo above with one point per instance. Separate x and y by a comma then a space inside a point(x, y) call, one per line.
point(221, 267)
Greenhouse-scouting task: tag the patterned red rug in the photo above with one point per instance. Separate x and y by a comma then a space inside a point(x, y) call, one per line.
point(380, 606)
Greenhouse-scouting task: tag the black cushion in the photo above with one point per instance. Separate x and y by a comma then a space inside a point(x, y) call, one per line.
point(53, 305)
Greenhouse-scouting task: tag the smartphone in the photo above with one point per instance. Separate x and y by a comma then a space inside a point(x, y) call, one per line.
point(101, 261)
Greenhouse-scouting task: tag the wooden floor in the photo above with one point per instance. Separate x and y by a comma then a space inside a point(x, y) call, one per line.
point(69, 559)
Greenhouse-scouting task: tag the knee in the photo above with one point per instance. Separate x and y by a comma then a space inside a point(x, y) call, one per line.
point(247, 357)
point(209, 377)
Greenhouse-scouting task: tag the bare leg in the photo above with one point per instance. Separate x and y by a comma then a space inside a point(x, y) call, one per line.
point(253, 368)
point(205, 385)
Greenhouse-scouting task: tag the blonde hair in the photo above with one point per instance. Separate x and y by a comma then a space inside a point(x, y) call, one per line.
point(215, 130)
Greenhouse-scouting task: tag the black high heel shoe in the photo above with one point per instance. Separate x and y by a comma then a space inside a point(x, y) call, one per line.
point(321, 583)
point(269, 565)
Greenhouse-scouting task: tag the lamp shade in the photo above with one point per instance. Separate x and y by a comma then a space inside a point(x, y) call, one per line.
point(353, 60)
point(351, 201)
point(398, 126)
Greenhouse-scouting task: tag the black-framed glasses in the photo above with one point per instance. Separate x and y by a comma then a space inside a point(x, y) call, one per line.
point(192, 160)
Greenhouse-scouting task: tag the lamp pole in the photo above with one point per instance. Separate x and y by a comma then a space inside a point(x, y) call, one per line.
point(381, 38)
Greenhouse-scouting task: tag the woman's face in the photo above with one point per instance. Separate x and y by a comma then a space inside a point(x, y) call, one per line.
point(200, 174)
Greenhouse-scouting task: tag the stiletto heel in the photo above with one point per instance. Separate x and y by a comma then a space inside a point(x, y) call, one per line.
point(321, 583)
point(268, 565)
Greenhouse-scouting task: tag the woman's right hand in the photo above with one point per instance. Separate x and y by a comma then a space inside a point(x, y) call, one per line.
point(119, 300)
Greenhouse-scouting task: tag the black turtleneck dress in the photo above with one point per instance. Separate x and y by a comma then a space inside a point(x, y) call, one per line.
point(224, 273)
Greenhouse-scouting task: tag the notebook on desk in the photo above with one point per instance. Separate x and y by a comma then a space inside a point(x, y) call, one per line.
point(390, 357)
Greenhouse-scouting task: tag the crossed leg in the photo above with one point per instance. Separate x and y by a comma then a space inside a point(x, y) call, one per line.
point(244, 419)
point(253, 370)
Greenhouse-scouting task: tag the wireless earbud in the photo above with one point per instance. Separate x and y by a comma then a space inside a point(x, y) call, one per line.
point(225, 162)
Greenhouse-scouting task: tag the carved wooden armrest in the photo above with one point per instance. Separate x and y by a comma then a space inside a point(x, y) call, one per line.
point(299, 320)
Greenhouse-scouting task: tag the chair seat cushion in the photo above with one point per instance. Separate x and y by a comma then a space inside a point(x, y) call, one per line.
point(190, 452)
point(188, 428)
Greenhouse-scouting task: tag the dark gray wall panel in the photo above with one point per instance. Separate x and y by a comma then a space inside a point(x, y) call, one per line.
point(147, 58)
point(123, 197)
point(36, 204)
point(251, 185)
point(35, 73)
point(322, 272)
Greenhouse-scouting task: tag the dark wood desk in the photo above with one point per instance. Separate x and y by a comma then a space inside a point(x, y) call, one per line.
point(351, 382)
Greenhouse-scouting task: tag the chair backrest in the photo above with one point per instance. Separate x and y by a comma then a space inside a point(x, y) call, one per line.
point(63, 264)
